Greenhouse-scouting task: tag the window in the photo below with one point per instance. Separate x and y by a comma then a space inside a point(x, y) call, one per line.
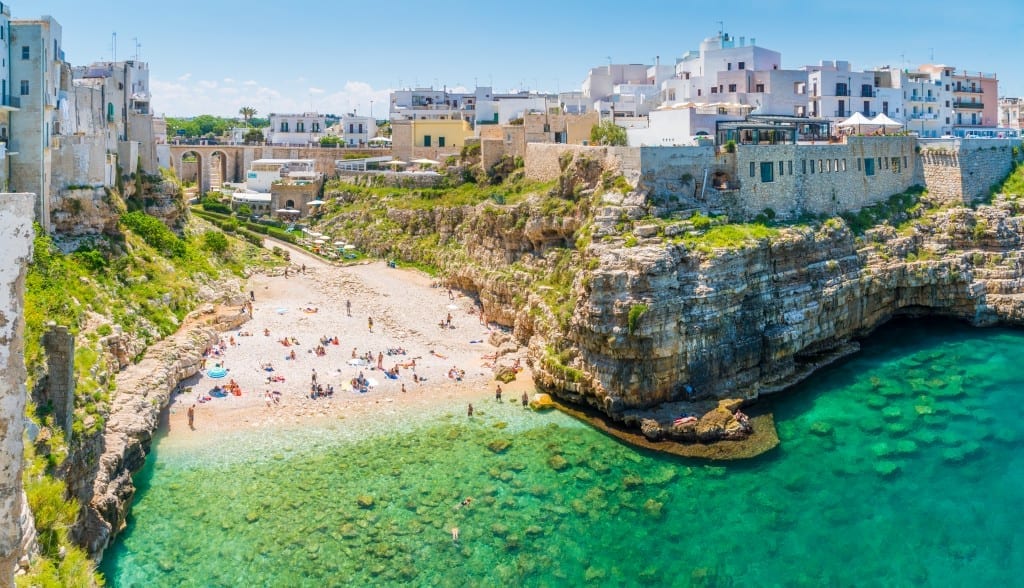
point(351, 128)
point(782, 169)
point(300, 127)
point(714, 90)
point(904, 161)
point(844, 164)
point(885, 108)
point(316, 127)
point(759, 88)
point(869, 166)
point(812, 166)
point(821, 166)
point(742, 65)
point(790, 166)
point(426, 140)
point(836, 166)
point(767, 171)
point(752, 169)
point(698, 91)
point(895, 165)
point(728, 66)
point(803, 166)
point(25, 52)
point(24, 87)
point(440, 141)
point(886, 163)
point(732, 87)
point(858, 164)
point(361, 131)
point(828, 164)
point(284, 126)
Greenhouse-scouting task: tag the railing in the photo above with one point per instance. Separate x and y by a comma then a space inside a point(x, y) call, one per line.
point(923, 116)
point(965, 104)
point(918, 98)
point(965, 89)
point(871, 94)
point(11, 101)
point(840, 92)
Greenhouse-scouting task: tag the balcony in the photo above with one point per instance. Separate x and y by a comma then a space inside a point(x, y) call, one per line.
point(965, 104)
point(9, 103)
point(923, 116)
point(919, 98)
point(967, 90)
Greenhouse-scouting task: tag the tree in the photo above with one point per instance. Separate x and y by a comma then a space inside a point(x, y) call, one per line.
point(253, 136)
point(215, 242)
point(330, 141)
point(247, 112)
point(608, 133)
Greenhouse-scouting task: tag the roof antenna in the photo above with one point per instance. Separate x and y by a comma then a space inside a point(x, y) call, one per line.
point(721, 28)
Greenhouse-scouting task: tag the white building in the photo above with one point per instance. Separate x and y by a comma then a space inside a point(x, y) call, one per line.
point(355, 130)
point(681, 126)
point(37, 65)
point(296, 129)
point(1011, 113)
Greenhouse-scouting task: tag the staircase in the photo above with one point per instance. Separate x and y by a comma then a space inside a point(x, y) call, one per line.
point(216, 178)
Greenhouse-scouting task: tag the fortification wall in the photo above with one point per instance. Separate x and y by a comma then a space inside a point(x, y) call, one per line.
point(16, 214)
point(963, 170)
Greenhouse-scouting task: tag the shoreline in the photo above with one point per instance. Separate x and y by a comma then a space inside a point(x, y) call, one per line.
point(406, 310)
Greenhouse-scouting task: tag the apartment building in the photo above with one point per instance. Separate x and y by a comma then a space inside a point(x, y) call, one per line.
point(40, 81)
point(1011, 113)
point(299, 130)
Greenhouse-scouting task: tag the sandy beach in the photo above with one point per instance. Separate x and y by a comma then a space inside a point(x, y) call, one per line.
point(406, 309)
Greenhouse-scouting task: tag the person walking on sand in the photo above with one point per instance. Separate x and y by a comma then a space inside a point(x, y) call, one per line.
point(314, 376)
point(380, 360)
point(469, 411)
point(192, 417)
point(526, 400)
point(451, 295)
point(252, 296)
point(286, 272)
point(369, 323)
point(497, 393)
point(348, 307)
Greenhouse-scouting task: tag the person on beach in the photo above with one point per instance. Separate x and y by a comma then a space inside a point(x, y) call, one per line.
point(369, 323)
point(451, 295)
point(526, 400)
point(497, 393)
point(252, 296)
point(314, 375)
point(469, 411)
point(286, 272)
point(403, 387)
point(348, 307)
point(380, 361)
point(268, 398)
point(192, 417)
point(303, 268)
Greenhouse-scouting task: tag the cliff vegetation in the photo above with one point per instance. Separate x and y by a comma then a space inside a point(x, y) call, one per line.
point(117, 294)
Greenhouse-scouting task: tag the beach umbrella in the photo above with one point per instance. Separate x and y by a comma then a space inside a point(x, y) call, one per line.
point(426, 162)
point(350, 247)
point(339, 243)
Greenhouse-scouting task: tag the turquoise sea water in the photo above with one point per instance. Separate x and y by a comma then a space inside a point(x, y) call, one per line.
point(900, 467)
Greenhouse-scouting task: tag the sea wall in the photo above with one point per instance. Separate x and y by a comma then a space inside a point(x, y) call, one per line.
point(963, 170)
point(16, 214)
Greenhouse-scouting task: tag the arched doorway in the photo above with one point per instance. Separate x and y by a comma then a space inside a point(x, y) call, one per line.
point(192, 172)
point(289, 204)
point(219, 170)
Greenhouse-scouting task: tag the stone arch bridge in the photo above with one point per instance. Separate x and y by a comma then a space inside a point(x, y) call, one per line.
point(211, 165)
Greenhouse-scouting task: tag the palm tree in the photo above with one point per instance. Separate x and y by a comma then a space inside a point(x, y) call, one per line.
point(247, 112)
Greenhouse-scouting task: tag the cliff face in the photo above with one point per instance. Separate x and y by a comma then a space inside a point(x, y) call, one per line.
point(642, 313)
point(753, 320)
point(16, 243)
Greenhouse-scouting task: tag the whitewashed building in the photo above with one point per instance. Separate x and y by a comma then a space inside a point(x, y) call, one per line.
point(296, 129)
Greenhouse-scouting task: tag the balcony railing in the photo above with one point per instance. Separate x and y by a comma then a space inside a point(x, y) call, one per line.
point(924, 116)
point(965, 89)
point(919, 98)
point(965, 104)
point(11, 101)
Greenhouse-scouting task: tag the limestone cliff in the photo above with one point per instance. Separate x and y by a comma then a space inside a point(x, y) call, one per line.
point(624, 312)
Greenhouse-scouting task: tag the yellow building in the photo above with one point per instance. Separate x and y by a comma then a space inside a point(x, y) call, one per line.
point(440, 133)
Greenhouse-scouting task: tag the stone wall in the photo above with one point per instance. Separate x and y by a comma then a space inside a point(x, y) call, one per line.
point(16, 214)
point(543, 165)
point(963, 170)
point(59, 390)
point(823, 178)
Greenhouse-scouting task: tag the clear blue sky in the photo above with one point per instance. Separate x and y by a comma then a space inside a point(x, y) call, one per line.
point(214, 56)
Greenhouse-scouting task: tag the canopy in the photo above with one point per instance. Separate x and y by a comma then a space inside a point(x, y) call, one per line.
point(856, 120)
point(287, 211)
point(426, 162)
point(885, 121)
point(380, 140)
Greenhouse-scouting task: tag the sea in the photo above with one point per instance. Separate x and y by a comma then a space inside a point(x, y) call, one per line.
point(899, 466)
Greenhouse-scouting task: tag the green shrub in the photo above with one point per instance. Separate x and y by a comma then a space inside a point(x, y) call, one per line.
point(636, 312)
point(154, 233)
point(215, 242)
